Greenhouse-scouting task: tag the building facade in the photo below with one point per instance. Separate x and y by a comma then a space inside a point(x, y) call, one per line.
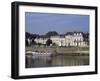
point(79, 39)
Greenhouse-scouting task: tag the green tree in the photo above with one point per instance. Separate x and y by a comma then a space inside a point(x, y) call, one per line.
point(51, 33)
point(48, 42)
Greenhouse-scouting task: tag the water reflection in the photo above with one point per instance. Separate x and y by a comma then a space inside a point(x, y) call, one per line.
point(56, 60)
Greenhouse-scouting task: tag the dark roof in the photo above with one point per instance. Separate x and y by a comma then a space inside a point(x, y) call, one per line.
point(63, 35)
point(69, 33)
point(42, 36)
point(77, 32)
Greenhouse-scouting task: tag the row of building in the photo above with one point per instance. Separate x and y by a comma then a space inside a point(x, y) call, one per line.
point(69, 39)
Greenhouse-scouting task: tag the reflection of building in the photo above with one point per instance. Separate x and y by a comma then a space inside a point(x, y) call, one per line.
point(69, 39)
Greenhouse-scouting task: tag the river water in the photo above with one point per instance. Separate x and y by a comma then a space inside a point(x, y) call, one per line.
point(57, 60)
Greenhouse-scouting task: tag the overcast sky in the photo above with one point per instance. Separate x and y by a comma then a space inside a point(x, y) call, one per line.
point(41, 23)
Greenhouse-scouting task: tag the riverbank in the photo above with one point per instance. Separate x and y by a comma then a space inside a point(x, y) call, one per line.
point(61, 50)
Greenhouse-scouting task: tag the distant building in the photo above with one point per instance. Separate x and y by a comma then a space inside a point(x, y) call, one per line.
point(41, 39)
point(79, 39)
point(76, 39)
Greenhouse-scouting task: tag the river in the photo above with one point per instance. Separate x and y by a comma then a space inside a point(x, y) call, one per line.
point(57, 60)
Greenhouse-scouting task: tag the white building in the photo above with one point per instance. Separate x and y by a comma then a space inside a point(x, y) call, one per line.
point(75, 39)
point(69, 39)
point(41, 40)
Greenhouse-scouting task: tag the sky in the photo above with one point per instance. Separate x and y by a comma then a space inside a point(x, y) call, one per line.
point(41, 23)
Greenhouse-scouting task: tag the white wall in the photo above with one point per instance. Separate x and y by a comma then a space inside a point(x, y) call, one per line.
point(5, 40)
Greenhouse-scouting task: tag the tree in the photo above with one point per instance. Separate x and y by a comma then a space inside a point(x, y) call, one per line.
point(30, 37)
point(54, 44)
point(26, 42)
point(39, 44)
point(33, 42)
point(86, 37)
point(51, 33)
point(48, 42)
point(33, 36)
point(27, 35)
